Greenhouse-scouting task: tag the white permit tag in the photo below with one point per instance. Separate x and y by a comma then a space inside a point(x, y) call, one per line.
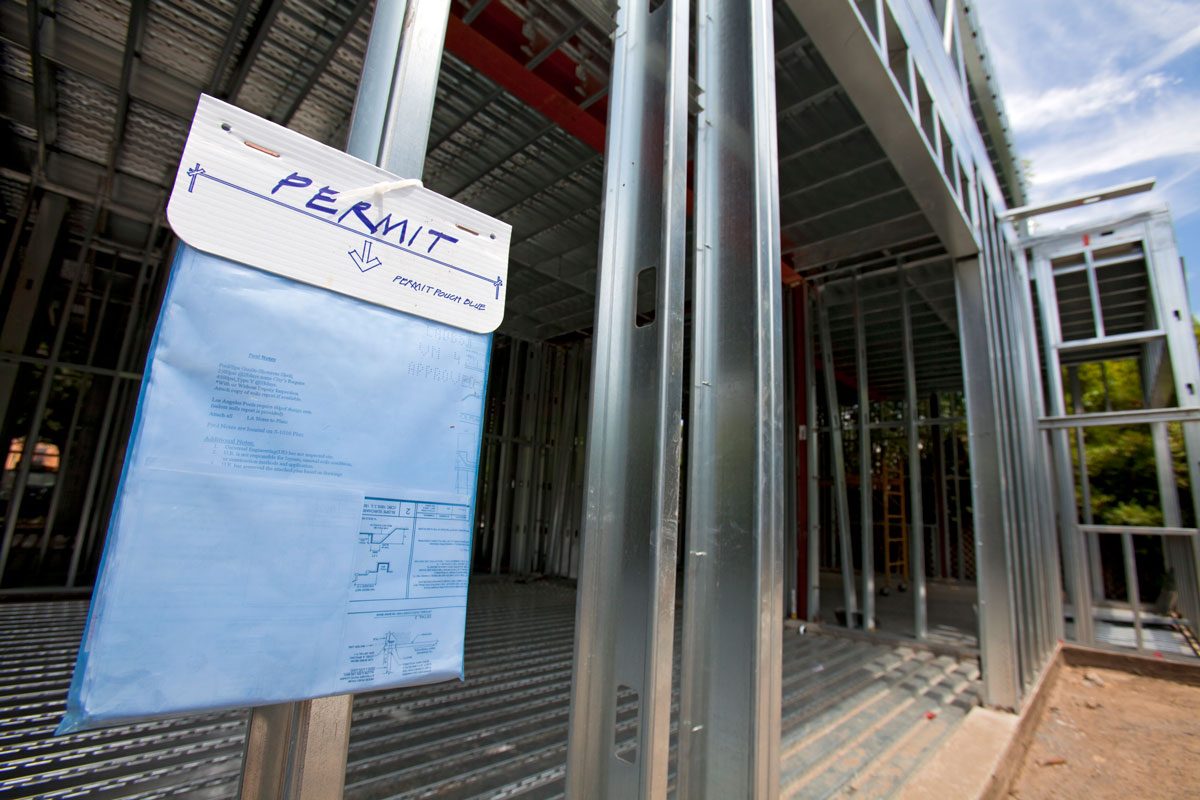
point(266, 196)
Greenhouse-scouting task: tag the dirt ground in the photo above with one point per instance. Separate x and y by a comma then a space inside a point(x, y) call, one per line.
point(1110, 734)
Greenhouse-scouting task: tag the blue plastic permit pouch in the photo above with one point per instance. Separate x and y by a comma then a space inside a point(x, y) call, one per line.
point(295, 510)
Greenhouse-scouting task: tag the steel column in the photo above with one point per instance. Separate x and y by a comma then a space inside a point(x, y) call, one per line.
point(1092, 542)
point(527, 447)
point(10, 250)
point(812, 443)
point(295, 752)
point(790, 430)
point(915, 505)
point(123, 358)
point(35, 266)
point(503, 478)
point(394, 106)
point(731, 665)
point(993, 559)
point(390, 127)
point(21, 480)
point(801, 378)
point(866, 476)
point(564, 446)
point(626, 606)
point(838, 459)
point(1132, 592)
point(1170, 292)
point(1075, 568)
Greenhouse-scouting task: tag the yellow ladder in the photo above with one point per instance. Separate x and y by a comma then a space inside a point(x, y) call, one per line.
point(895, 521)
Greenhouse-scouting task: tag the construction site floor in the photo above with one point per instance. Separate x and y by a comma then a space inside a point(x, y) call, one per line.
point(950, 606)
point(858, 717)
point(1108, 734)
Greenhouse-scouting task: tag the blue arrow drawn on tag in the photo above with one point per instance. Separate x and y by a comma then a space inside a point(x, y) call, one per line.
point(364, 260)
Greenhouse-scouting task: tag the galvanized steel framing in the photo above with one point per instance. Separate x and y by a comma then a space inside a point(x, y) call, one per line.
point(626, 609)
point(913, 221)
point(1164, 344)
point(731, 662)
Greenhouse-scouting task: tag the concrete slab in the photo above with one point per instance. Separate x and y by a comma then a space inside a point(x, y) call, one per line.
point(965, 766)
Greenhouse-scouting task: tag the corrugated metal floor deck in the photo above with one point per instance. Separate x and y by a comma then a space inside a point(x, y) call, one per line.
point(854, 719)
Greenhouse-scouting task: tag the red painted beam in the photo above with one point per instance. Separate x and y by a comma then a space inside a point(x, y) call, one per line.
point(496, 47)
point(489, 59)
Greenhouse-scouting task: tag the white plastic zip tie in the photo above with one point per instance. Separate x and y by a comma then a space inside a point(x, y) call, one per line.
point(380, 189)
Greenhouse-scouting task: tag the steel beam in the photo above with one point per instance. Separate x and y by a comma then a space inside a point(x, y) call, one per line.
point(1144, 530)
point(130, 57)
point(81, 51)
point(256, 37)
point(480, 53)
point(860, 64)
point(41, 21)
point(626, 606)
point(861, 241)
point(232, 37)
point(1148, 416)
point(318, 70)
point(731, 664)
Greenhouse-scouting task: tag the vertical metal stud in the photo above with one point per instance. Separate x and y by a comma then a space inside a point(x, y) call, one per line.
point(35, 267)
point(960, 556)
point(814, 463)
point(1075, 568)
point(993, 558)
point(837, 454)
point(626, 606)
point(21, 479)
point(1092, 541)
point(866, 477)
point(1169, 288)
point(731, 664)
point(390, 128)
point(1131, 588)
point(564, 453)
point(942, 564)
point(915, 505)
point(500, 527)
point(790, 428)
point(110, 406)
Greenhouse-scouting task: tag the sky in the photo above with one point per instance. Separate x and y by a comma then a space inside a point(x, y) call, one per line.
point(1102, 92)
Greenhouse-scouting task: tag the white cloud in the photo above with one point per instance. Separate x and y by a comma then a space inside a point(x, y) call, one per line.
point(1038, 46)
point(1067, 103)
point(1169, 129)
